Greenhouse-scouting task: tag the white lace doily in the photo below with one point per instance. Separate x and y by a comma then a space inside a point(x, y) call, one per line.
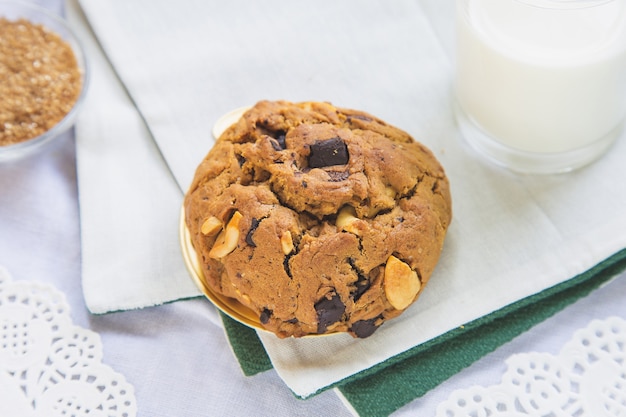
point(48, 366)
point(586, 379)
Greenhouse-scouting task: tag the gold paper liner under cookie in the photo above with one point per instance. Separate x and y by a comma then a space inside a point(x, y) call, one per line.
point(228, 120)
point(229, 306)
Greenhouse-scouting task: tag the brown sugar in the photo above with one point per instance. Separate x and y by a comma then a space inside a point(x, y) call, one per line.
point(39, 80)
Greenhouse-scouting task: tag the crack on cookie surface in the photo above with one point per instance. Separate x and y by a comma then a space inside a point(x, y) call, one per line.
point(254, 224)
point(362, 284)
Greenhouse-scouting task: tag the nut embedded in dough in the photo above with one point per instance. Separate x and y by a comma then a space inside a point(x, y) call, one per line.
point(401, 283)
point(286, 242)
point(346, 220)
point(211, 226)
point(227, 240)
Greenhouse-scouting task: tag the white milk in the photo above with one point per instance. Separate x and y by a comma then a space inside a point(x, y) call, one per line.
point(542, 80)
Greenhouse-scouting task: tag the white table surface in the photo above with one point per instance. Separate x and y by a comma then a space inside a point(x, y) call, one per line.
point(178, 361)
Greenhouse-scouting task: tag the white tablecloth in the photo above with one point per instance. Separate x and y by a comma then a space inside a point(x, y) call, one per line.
point(178, 361)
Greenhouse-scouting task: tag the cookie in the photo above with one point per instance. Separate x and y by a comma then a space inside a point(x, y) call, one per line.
point(319, 219)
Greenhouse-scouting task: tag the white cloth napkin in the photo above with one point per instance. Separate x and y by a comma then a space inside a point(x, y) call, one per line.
point(185, 64)
point(128, 198)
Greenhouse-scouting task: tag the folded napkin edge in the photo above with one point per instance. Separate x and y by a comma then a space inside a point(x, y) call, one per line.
point(95, 311)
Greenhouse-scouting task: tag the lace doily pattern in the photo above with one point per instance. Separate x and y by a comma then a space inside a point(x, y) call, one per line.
point(50, 367)
point(586, 379)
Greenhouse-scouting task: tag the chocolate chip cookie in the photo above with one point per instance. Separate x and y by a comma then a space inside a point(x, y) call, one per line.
point(319, 219)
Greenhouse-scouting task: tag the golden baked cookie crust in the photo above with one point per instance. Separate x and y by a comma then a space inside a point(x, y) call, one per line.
point(319, 219)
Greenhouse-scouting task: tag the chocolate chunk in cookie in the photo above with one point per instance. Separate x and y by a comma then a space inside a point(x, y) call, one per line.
point(329, 152)
point(265, 315)
point(365, 328)
point(329, 310)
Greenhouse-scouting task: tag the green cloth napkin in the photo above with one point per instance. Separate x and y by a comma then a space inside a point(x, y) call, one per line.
point(384, 388)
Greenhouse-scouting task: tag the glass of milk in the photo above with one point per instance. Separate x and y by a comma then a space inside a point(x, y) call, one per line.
point(541, 84)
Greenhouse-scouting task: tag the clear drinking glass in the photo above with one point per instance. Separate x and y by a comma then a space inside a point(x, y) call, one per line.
point(541, 84)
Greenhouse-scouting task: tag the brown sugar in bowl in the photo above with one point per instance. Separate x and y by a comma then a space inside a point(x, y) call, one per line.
point(43, 78)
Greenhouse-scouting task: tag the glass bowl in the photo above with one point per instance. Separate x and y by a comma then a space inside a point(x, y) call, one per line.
point(13, 11)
